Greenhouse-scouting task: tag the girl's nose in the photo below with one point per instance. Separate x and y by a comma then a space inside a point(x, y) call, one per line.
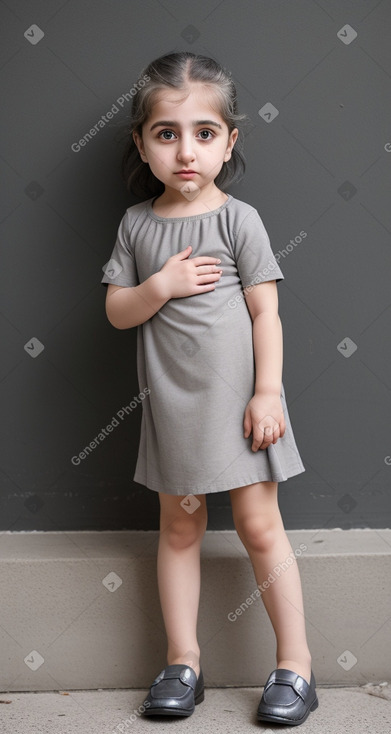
point(186, 152)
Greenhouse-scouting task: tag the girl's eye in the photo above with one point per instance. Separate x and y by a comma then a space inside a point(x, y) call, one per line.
point(166, 134)
point(205, 134)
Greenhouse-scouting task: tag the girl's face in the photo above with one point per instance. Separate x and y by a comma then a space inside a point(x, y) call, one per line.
point(186, 141)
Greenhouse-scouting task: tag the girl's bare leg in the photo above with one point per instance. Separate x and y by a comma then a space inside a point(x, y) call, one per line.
point(178, 568)
point(259, 525)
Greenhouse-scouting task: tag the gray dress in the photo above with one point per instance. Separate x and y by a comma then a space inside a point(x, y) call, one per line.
point(195, 355)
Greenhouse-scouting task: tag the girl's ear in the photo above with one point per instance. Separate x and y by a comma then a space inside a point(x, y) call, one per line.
point(231, 142)
point(140, 146)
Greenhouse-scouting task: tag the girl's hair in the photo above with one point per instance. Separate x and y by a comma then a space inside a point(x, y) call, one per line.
point(176, 71)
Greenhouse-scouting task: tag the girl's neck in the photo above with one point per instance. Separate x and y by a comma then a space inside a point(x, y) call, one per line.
point(174, 203)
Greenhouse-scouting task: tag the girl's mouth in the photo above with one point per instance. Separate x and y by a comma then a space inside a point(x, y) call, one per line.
point(186, 174)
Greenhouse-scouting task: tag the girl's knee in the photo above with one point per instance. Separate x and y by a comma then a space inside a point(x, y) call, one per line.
point(258, 533)
point(257, 515)
point(181, 533)
point(182, 528)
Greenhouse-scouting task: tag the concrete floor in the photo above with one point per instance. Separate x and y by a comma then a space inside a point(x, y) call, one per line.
point(224, 711)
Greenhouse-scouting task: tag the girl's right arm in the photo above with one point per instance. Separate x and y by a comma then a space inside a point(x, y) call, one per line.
point(127, 307)
point(179, 277)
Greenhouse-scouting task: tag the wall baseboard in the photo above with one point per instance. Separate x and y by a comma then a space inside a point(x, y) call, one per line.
point(80, 610)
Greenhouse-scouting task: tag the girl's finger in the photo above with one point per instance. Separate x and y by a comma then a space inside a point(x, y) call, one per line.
point(247, 423)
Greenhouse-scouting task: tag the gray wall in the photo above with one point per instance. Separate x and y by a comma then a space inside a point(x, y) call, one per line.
point(321, 166)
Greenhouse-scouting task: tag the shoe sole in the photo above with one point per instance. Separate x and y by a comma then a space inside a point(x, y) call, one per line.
point(166, 711)
point(289, 722)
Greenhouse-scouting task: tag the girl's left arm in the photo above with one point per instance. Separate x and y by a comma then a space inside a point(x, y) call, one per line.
point(264, 415)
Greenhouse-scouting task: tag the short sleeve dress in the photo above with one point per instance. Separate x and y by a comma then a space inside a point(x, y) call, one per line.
point(195, 357)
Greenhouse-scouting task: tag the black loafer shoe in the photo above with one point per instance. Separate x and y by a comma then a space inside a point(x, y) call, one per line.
point(287, 698)
point(175, 692)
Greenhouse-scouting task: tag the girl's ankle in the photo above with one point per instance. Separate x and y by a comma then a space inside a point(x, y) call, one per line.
point(191, 659)
point(301, 667)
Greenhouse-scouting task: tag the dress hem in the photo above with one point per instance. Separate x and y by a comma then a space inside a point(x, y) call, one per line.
point(157, 487)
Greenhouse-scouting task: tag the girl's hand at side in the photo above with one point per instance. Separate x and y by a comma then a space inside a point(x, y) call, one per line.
point(181, 276)
point(264, 417)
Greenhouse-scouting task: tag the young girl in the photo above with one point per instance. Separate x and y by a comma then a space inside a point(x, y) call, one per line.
point(192, 267)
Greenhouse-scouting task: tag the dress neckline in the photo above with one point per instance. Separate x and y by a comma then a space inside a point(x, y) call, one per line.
point(204, 215)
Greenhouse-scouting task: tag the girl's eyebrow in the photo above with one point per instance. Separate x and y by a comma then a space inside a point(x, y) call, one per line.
point(171, 123)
